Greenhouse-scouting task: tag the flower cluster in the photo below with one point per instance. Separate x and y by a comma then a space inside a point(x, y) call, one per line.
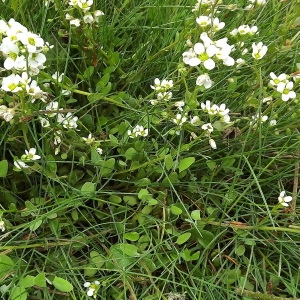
point(244, 30)
point(162, 90)
point(283, 86)
point(208, 52)
point(83, 7)
point(206, 22)
point(137, 131)
point(92, 288)
point(24, 56)
point(215, 110)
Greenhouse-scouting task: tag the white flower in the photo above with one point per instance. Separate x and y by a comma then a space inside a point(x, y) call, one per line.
point(85, 5)
point(273, 122)
point(36, 60)
point(244, 29)
point(257, 118)
point(195, 121)
point(75, 22)
point(57, 77)
point(211, 110)
point(204, 80)
point(162, 86)
point(68, 121)
point(92, 288)
point(52, 106)
point(166, 96)
point(278, 79)
point(208, 127)
point(203, 21)
point(2, 226)
point(30, 155)
point(88, 19)
point(89, 140)
point(240, 62)
point(44, 122)
point(32, 41)
point(180, 105)
point(179, 120)
point(11, 83)
point(286, 90)
point(138, 130)
point(19, 164)
point(57, 137)
point(7, 113)
point(99, 150)
point(283, 199)
point(217, 25)
point(212, 144)
point(34, 90)
point(97, 14)
point(259, 50)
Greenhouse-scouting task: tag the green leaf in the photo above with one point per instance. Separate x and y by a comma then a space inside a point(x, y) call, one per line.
point(62, 285)
point(175, 210)
point(130, 153)
point(40, 280)
point(107, 167)
point(206, 238)
point(240, 250)
point(88, 72)
point(227, 162)
point(186, 163)
point(98, 259)
point(35, 225)
point(130, 200)
point(3, 168)
point(187, 256)
point(195, 215)
point(95, 97)
point(18, 293)
point(129, 250)
point(211, 164)
point(181, 239)
point(88, 187)
point(168, 162)
point(132, 236)
point(27, 281)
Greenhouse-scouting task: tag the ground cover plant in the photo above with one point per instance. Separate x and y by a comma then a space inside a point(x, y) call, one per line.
point(149, 149)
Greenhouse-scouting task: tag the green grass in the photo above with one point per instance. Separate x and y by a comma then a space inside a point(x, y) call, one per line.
point(162, 216)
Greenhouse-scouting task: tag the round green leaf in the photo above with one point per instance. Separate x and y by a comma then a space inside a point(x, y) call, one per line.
point(240, 250)
point(62, 284)
point(129, 249)
point(195, 215)
point(175, 210)
point(6, 265)
point(18, 293)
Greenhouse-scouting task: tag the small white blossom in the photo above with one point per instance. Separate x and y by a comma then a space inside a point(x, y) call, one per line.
point(180, 105)
point(286, 90)
point(99, 150)
point(97, 14)
point(19, 164)
point(138, 130)
point(204, 80)
point(89, 140)
point(88, 19)
point(6, 113)
point(195, 121)
point(273, 122)
point(68, 121)
point(208, 127)
point(2, 226)
point(212, 144)
point(75, 22)
point(275, 80)
point(179, 120)
point(283, 199)
point(259, 50)
point(92, 288)
point(57, 77)
point(45, 122)
point(30, 155)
